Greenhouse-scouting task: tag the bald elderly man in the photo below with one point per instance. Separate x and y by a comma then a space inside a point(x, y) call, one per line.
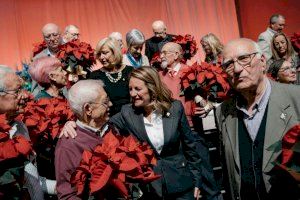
point(52, 37)
point(155, 43)
point(253, 123)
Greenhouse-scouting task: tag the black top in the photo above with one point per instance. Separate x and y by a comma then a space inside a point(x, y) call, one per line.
point(154, 45)
point(118, 92)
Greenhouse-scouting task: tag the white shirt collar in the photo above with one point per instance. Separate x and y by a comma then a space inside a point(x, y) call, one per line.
point(93, 129)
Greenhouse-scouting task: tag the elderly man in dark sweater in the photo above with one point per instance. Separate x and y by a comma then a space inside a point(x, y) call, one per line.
point(90, 103)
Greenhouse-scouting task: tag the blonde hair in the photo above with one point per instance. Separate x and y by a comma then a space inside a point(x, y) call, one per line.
point(290, 52)
point(214, 43)
point(114, 46)
point(160, 95)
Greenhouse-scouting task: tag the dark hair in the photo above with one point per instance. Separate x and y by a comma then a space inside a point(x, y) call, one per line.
point(275, 67)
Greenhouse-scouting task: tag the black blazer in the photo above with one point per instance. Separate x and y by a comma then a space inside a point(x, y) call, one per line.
point(178, 163)
point(153, 45)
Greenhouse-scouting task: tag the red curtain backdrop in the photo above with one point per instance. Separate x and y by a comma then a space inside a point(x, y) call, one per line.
point(21, 20)
point(254, 15)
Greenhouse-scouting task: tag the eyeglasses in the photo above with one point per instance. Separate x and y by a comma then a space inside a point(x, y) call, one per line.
point(12, 92)
point(106, 103)
point(243, 60)
point(167, 52)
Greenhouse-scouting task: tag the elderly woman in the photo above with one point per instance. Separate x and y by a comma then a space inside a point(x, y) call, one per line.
point(135, 41)
point(114, 74)
point(282, 48)
point(212, 48)
point(48, 73)
point(283, 71)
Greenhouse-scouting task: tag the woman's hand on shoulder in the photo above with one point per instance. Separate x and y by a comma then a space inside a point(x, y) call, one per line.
point(69, 130)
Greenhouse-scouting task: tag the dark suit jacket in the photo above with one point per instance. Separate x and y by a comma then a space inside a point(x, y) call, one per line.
point(152, 45)
point(179, 162)
point(283, 113)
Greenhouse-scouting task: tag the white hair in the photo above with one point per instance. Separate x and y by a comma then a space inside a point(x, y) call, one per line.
point(84, 91)
point(134, 37)
point(69, 27)
point(115, 35)
point(4, 71)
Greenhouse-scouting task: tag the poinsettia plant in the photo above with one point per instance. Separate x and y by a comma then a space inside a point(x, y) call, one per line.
point(156, 60)
point(77, 58)
point(38, 47)
point(46, 117)
point(188, 44)
point(295, 39)
point(115, 163)
point(207, 80)
point(13, 147)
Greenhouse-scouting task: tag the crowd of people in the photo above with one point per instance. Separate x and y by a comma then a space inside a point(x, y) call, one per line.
point(122, 93)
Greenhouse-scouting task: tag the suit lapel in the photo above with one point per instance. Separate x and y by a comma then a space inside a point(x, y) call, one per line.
point(167, 127)
point(278, 117)
point(138, 121)
point(231, 123)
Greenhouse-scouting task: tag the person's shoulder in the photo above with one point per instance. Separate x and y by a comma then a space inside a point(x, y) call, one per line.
point(41, 54)
point(263, 35)
point(176, 105)
point(150, 40)
point(96, 74)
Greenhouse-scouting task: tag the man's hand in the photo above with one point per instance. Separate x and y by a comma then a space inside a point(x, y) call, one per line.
point(69, 130)
point(197, 193)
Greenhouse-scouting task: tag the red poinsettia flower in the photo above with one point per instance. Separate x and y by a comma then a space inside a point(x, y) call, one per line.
point(116, 162)
point(156, 60)
point(38, 47)
point(288, 141)
point(46, 116)
point(295, 39)
point(12, 147)
point(209, 78)
point(188, 44)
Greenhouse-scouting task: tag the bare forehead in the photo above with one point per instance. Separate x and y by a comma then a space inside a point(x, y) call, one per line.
point(50, 29)
point(238, 48)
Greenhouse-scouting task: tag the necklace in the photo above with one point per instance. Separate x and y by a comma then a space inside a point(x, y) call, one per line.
point(112, 79)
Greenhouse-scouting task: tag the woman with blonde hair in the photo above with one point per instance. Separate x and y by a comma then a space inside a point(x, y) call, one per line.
point(113, 73)
point(281, 47)
point(212, 48)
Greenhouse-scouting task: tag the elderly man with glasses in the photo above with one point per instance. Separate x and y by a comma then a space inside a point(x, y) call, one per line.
point(254, 121)
point(90, 103)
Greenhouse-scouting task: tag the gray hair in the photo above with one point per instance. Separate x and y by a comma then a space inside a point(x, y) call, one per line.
point(115, 35)
point(70, 26)
point(134, 37)
point(84, 91)
point(274, 18)
point(4, 70)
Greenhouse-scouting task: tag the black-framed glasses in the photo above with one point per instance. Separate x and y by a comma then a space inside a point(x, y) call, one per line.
point(243, 60)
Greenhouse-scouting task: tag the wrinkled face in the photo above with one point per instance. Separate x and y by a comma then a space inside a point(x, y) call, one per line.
point(207, 49)
point(244, 66)
point(100, 108)
point(13, 99)
point(139, 93)
point(168, 56)
point(52, 37)
point(106, 56)
point(136, 50)
point(59, 76)
point(160, 32)
point(287, 73)
point(72, 34)
point(279, 25)
point(280, 44)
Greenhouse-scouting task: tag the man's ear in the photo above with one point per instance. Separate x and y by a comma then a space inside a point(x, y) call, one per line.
point(87, 109)
point(51, 76)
